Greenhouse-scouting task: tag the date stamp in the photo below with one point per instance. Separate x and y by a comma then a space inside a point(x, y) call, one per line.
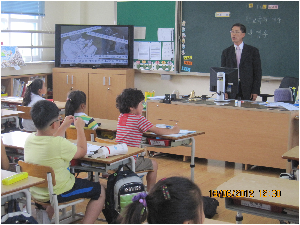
point(244, 193)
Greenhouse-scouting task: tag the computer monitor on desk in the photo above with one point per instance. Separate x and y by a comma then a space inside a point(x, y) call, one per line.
point(231, 77)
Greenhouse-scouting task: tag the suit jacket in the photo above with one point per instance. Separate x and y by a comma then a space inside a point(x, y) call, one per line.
point(249, 70)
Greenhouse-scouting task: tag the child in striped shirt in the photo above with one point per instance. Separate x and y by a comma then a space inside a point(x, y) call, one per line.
point(132, 125)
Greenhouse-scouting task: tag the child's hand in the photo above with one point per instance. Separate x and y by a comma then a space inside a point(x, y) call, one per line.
point(79, 123)
point(175, 129)
point(68, 120)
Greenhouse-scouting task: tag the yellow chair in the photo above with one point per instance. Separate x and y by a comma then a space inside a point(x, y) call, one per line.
point(71, 133)
point(47, 173)
point(26, 110)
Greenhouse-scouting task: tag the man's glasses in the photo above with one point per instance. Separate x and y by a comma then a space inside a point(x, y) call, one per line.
point(235, 32)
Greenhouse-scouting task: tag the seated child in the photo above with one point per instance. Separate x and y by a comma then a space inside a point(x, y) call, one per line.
point(173, 200)
point(76, 105)
point(33, 93)
point(132, 125)
point(48, 147)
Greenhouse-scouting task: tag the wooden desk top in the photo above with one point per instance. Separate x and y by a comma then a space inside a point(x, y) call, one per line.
point(131, 152)
point(15, 139)
point(20, 185)
point(19, 100)
point(292, 154)
point(12, 100)
point(149, 134)
point(8, 113)
point(109, 125)
point(289, 189)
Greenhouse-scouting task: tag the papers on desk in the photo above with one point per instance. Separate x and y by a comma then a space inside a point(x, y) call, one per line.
point(181, 132)
point(91, 149)
point(287, 106)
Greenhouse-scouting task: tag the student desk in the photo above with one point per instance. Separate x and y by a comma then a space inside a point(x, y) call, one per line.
point(252, 134)
point(102, 165)
point(261, 196)
point(293, 157)
point(184, 140)
point(17, 140)
point(107, 125)
point(18, 189)
point(7, 114)
point(19, 100)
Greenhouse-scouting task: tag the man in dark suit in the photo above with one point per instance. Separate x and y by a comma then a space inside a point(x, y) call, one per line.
point(249, 67)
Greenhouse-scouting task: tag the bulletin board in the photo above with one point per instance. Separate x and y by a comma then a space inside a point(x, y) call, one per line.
point(151, 15)
point(272, 27)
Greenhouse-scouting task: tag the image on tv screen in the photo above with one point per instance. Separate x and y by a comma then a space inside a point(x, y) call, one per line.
point(94, 45)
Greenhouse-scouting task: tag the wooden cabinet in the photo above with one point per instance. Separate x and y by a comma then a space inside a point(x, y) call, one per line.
point(66, 81)
point(249, 134)
point(101, 87)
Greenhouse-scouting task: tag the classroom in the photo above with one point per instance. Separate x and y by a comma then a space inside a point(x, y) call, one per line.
point(232, 143)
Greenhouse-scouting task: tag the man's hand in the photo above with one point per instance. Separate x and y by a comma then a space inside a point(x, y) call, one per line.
point(253, 97)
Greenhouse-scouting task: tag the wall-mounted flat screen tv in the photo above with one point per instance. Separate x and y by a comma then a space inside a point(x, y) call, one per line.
point(94, 46)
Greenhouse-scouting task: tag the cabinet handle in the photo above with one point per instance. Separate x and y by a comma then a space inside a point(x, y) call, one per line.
point(103, 81)
point(67, 79)
point(72, 79)
point(71, 89)
point(109, 81)
point(107, 88)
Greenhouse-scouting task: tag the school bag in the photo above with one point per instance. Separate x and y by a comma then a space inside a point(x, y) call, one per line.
point(121, 187)
point(210, 206)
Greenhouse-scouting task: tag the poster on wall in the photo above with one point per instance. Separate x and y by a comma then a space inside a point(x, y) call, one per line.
point(11, 57)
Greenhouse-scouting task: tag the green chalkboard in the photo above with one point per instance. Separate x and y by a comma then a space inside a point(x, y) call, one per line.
point(149, 14)
point(275, 32)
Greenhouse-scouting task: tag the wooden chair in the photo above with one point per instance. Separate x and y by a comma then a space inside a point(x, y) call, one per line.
point(47, 173)
point(71, 133)
point(26, 110)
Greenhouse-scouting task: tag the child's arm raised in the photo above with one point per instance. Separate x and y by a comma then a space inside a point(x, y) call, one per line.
point(81, 140)
point(65, 124)
point(164, 131)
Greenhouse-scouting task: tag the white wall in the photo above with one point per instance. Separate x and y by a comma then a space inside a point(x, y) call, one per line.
point(104, 12)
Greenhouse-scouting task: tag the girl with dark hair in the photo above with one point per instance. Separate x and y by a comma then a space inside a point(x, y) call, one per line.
point(172, 200)
point(34, 92)
point(76, 105)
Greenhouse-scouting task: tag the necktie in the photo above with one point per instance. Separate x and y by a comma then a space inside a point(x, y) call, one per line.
point(238, 55)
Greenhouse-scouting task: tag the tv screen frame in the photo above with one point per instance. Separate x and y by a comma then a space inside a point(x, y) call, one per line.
point(88, 59)
point(231, 76)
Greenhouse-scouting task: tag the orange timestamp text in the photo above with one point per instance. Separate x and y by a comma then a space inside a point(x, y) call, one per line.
point(244, 193)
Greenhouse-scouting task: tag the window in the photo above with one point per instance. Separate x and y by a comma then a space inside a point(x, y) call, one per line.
point(16, 22)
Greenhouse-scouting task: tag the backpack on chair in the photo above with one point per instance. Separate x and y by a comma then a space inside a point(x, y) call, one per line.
point(121, 187)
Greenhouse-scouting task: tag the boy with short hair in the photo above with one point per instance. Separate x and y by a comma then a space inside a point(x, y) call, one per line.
point(132, 125)
point(48, 147)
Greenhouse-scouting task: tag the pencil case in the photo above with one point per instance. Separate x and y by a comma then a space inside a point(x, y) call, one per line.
point(14, 178)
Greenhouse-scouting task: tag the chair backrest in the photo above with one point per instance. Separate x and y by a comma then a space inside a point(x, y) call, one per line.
point(71, 133)
point(283, 95)
point(26, 110)
point(289, 82)
point(36, 170)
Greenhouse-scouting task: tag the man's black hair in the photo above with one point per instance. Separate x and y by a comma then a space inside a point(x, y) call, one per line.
point(43, 112)
point(241, 26)
point(129, 98)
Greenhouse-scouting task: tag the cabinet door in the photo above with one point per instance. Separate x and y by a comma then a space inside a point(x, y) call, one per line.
point(64, 82)
point(103, 92)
